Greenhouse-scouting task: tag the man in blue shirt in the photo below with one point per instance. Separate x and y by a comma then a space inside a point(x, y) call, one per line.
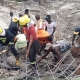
point(7, 38)
point(13, 26)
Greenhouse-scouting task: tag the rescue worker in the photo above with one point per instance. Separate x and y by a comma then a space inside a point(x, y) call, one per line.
point(27, 12)
point(13, 26)
point(57, 48)
point(40, 24)
point(21, 41)
point(32, 43)
point(75, 50)
point(7, 38)
point(50, 26)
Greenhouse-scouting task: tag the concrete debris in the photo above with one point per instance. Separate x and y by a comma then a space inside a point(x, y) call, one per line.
point(67, 17)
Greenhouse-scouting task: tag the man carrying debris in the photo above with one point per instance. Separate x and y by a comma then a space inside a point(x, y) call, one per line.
point(32, 44)
point(57, 48)
point(75, 50)
point(13, 26)
point(7, 38)
point(50, 26)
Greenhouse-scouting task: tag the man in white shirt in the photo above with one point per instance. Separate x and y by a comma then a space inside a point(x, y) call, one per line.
point(50, 25)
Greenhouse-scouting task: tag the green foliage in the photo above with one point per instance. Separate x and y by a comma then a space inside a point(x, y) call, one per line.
point(19, 0)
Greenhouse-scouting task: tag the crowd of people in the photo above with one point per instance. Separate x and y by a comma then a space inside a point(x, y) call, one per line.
point(21, 33)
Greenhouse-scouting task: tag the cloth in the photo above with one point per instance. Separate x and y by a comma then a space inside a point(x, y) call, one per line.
point(50, 27)
point(42, 36)
point(13, 28)
point(21, 41)
point(33, 50)
point(31, 31)
point(62, 44)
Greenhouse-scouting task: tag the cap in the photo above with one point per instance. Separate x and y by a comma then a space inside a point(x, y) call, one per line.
point(26, 10)
point(47, 17)
point(77, 30)
point(48, 45)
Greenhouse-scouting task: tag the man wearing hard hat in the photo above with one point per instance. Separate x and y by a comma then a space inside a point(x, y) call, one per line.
point(13, 26)
point(32, 44)
point(7, 38)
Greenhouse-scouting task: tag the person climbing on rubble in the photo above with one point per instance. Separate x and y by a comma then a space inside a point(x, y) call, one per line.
point(50, 26)
point(56, 48)
point(13, 26)
point(7, 38)
point(32, 43)
point(27, 12)
point(75, 50)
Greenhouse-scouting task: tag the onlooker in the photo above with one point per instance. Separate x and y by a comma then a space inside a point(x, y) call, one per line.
point(11, 14)
point(75, 50)
point(50, 25)
point(27, 12)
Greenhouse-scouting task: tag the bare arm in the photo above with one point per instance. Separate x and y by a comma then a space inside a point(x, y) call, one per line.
point(45, 54)
point(73, 39)
point(30, 43)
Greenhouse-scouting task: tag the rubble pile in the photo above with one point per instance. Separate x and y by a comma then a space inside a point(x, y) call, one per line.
point(67, 17)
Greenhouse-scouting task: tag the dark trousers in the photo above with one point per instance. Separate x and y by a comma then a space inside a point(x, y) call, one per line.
point(14, 51)
point(33, 51)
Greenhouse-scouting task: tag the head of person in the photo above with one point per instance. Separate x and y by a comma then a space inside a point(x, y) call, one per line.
point(37, 16)
point(2, 32)
point(11, 14)
point(20, 14)
point(48, 18)
point(77, 31)
point(49, 39)
point(26, 11)
point(15, 19)
point(25, 21)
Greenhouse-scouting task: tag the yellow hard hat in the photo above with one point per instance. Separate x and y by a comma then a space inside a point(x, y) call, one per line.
point(26, 18)
point(22, 21)
point(15, 19)
point(0, 30)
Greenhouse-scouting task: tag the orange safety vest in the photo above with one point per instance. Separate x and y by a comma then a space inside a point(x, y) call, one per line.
point(42, 25)
point(23, 30)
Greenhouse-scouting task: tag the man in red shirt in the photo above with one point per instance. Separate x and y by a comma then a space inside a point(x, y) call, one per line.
point(32, 44)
